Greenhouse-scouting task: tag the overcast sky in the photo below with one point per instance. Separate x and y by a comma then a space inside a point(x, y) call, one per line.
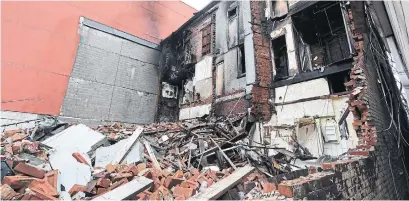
point(197, 4)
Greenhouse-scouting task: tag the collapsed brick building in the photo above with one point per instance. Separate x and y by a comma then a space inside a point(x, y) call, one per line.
point(315, 71)
point(312, 75)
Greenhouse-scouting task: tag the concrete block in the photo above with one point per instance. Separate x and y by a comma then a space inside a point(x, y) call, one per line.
point(140, 52)
point(86, 99)
point(101, 40)
point(132, 106)
point(95, 64)
point(137, 75)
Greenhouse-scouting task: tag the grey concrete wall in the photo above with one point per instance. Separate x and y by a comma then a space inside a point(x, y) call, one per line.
point(113, 79)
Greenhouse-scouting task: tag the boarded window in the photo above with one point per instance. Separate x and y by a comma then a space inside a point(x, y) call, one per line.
point(241, 61)
point(206, 39)
point(233, 27)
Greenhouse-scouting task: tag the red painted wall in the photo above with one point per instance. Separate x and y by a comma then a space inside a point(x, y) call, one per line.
point(39, 42)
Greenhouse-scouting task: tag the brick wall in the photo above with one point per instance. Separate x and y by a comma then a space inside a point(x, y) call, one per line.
point(234, 106)
point(375, 168)
point(372, 118)
point(261, 92)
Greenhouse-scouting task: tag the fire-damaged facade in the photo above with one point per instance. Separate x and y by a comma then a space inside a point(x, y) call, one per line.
point(246, 100)
point(315, 74)
point(206, 62)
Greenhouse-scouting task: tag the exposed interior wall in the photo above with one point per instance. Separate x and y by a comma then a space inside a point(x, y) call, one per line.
point(322, 112)
point(41, 39)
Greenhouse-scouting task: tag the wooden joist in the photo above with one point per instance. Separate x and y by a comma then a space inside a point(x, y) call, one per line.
point(127, 191)
point(128, 146)
point(218, 189)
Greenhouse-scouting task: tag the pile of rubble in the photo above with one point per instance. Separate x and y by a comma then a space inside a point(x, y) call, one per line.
point(207, 158)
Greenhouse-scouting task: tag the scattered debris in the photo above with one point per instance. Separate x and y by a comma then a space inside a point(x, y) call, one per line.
point(205, 158)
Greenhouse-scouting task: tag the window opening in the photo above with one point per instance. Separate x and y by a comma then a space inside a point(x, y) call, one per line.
point(280, 57)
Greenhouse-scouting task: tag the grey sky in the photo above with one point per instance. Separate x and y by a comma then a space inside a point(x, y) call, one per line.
point(197, 4)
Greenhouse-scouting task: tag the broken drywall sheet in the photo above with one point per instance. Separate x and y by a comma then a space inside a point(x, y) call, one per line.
point(79, 138)
point(203, 69)
point(105, 155)
point(72, 171)
point(308, 89)
point(204, 88)
point(193, 112)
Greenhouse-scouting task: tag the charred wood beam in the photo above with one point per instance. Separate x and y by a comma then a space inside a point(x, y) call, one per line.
point(311, 98)
point(305, 76)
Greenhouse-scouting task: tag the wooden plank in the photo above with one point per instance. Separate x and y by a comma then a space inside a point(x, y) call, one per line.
point(224, 155)
point(127, 191)
point(203, 160)
point(152, 155)
point(128, 146)
point(218, 189)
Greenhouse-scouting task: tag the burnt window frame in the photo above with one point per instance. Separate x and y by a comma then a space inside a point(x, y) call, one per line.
point(233, 6)
point(207, 32)
point(241, 59)
point(273, 53)
point(340, 34)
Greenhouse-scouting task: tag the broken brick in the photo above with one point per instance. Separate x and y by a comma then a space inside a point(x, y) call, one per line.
point(180, 197)
point(190, 184)
point(187, 175)
point(187, 192)
point(195, 172)
point(101, 191)
point(7, 193)
point(328, 165)
point(42, 196)
point(52, 178)
point(164, 191)
point(18, 181)
point(118, 183)
point(43, 187)
point(110, 168)
point(30, 170)
point(269, 187)
point(120, 176)
point(178, 174)
point(10, 133)
point(359, 153)
point(143, 195)
point(77, 188)
point(80, 158)
point(140, 167)
point(18, 137)
point(285, 190)
point(172, 181)
point(102, 182)
point(155, 196)
point(16, 148)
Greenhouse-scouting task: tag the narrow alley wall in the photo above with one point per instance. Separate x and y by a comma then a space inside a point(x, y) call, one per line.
point(40, 41)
